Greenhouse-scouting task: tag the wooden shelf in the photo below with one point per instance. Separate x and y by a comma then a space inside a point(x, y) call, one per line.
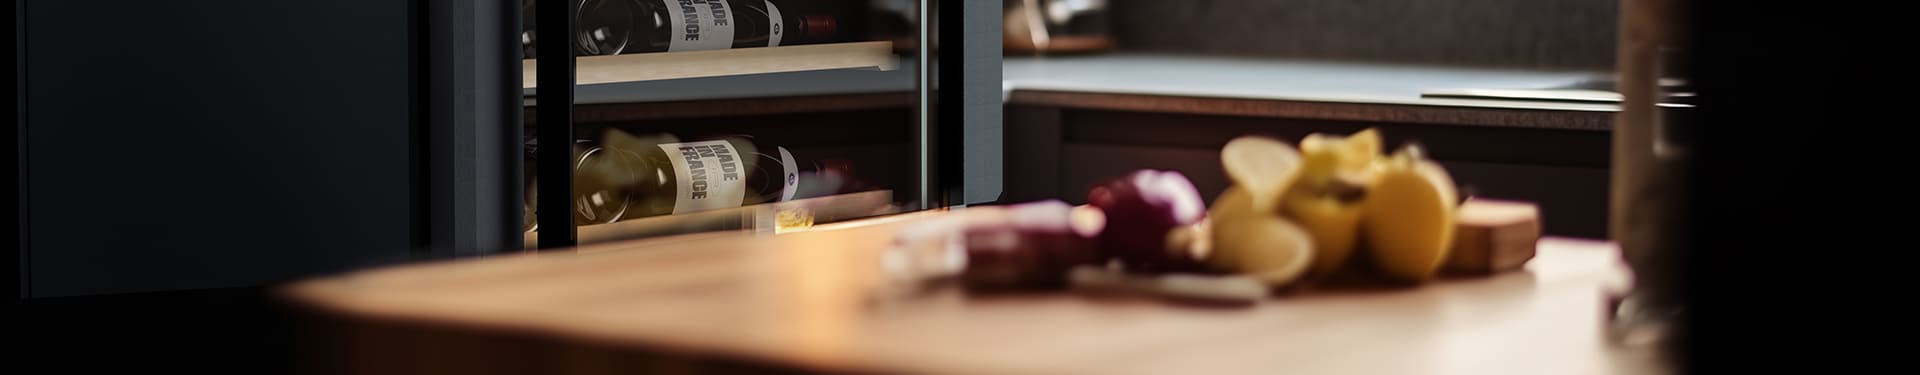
point(754, 218)
point(727, 62)
point(781, 105)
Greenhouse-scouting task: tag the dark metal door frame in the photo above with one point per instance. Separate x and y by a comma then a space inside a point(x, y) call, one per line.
point(475, 133)
point(555, 100)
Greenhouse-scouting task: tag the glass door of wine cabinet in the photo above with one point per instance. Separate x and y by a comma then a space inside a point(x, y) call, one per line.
point(724, 115)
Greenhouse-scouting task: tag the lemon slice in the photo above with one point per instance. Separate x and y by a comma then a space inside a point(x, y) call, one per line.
point(1266, 247)
point(1262, 166)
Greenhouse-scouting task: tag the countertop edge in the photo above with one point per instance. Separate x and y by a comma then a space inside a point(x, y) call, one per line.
point(1553, 116)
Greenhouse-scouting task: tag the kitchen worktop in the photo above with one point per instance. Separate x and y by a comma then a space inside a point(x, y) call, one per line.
point(1281, 79)
point(1295, 88)
point(818, 300)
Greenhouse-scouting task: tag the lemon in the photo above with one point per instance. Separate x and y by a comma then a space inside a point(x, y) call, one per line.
point(1409, 216)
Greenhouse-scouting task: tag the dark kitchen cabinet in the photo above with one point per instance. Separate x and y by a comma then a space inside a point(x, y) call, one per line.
point(179, 160)
point(209, 145)
point(216, 144)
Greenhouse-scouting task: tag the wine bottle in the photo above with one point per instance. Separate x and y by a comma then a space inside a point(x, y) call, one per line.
point(610, 27)
point(600, 176)
point(691, 176)
point(624, 177)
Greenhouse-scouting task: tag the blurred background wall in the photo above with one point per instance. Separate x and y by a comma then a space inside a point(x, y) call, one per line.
point(1553, 34)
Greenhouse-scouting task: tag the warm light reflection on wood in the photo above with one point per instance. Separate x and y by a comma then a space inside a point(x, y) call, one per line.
point(806, 300)
point(823, 297)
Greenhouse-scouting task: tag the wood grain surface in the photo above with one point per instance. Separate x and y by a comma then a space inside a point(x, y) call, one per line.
point(816, 301)
point(708, 108)
point(725, 62)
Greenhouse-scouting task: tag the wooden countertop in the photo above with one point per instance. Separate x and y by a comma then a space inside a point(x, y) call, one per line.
point(808, 301)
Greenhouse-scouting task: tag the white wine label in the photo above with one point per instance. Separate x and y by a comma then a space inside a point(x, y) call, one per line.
point(773, 19)
point(790, 174)
point(700, 25)
point(710, 175)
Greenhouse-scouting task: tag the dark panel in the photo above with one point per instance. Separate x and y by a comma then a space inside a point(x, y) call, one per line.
point(1525, 33)
point(1084, 166)
point(1574, 148)
point(509, 171)
point(1032, 162)
point(949, 111)
point(20, 139)
point(556, 124)
point(216, 143)
point(206, 331)
point(1573, 201)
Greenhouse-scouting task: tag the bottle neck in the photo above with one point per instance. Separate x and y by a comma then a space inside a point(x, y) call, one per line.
point(816, 27)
